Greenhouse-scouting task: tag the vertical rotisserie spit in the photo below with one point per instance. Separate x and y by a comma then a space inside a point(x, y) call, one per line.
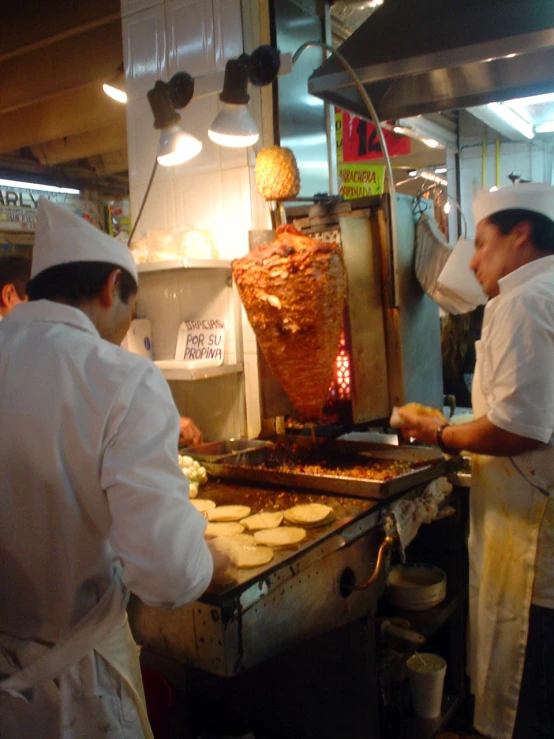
point(294, 293)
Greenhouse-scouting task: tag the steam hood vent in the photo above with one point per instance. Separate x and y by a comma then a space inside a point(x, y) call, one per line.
point(426, 56)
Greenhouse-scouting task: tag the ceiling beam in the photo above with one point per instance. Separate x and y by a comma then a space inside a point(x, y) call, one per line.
point(113, 162)
point(31, 24)
point(68, 114)
point(110, 138)
point(62, 66)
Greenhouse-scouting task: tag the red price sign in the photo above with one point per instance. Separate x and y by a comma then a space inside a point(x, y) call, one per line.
point(360, 141)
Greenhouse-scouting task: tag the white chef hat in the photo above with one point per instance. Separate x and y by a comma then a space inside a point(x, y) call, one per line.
point(535, 196)
point(62, 237)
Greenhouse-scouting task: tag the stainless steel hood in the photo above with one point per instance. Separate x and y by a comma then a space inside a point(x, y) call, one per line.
point(426, 56)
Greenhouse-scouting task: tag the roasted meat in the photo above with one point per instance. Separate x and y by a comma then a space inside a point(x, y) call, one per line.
point(294, 291)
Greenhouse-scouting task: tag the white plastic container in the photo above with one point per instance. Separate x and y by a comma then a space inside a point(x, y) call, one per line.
point(426, 673)
point(139, 338)
point(457, 276)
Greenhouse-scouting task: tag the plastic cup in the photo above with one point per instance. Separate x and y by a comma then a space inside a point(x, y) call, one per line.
point(426, 672)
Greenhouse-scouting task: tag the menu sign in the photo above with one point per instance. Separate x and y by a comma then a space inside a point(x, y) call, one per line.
point(357, 144)
point(201, 342)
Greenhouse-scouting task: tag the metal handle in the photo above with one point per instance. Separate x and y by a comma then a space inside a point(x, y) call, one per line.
point(387, 542)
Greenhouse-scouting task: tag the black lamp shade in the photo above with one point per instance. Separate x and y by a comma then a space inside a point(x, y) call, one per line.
point(181, 89)
point(235, 83)
point(161, 105)
point(263, 65)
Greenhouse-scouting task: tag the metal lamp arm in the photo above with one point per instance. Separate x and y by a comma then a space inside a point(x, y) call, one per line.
point(373, 116)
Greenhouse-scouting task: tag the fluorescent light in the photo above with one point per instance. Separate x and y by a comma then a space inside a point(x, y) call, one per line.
point(547, 127)
point(440, 170)
point(34, 186)
point(412, 173)
point(433, 178)
point(422, 128)
point(548, 97)
point(513, 119)
point(431, 143)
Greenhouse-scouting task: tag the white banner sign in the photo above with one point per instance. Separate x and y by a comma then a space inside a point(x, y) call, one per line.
point(18, 207)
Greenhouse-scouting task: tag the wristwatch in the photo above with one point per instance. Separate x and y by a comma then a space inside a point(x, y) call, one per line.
point(441, 443)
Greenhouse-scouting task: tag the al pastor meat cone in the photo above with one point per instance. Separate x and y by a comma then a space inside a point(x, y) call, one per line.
point(294, 292)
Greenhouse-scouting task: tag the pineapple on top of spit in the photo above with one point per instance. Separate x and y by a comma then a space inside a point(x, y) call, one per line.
point(277, 176)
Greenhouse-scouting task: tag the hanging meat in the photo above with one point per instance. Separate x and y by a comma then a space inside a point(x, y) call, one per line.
point(294, 292)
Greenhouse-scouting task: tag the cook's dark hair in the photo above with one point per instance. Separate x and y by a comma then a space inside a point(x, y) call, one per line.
point(77, 282)
point(15, 270)
point(542, 233)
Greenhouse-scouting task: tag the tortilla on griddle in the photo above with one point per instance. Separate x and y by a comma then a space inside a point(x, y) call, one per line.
point(228, 513)
point(214, 530)
point(263, 520)
point(244, 556)
point(243, 551)
point(203, 505)
point(285, 536)
point(233, 540)
point(309, 514)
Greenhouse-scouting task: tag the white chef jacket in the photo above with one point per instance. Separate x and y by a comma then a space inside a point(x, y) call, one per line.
point(89, 476)
point(518, 370)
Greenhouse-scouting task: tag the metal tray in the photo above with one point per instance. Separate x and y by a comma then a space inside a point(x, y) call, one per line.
point(243, 466)
point(215, 450)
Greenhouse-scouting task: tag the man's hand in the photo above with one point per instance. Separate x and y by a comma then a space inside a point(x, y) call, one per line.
point(189, 433)
point(420, 426)
point(220, 558)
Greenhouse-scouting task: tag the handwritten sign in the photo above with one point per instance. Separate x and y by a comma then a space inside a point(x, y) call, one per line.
point(358, 180)
point(201, 342)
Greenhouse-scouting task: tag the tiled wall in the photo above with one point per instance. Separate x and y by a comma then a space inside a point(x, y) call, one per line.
point(213, 191)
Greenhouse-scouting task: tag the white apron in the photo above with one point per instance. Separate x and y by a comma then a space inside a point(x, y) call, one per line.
point(66, 690)
point(506, 512)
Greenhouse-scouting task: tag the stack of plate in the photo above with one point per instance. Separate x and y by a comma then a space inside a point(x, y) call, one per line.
point(416, 587)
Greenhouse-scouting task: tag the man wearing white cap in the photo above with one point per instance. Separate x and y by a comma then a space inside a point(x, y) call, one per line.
point(511, 543)
point(94, 504)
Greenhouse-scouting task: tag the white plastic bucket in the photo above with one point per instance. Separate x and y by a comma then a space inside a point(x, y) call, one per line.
point(426, 672)
point(457, 276)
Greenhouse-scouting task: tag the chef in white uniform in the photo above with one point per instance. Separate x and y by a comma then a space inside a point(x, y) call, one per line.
point(94, 504)
point(511, 542)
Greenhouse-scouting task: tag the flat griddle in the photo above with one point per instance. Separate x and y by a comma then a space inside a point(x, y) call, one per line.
point(347, 512)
